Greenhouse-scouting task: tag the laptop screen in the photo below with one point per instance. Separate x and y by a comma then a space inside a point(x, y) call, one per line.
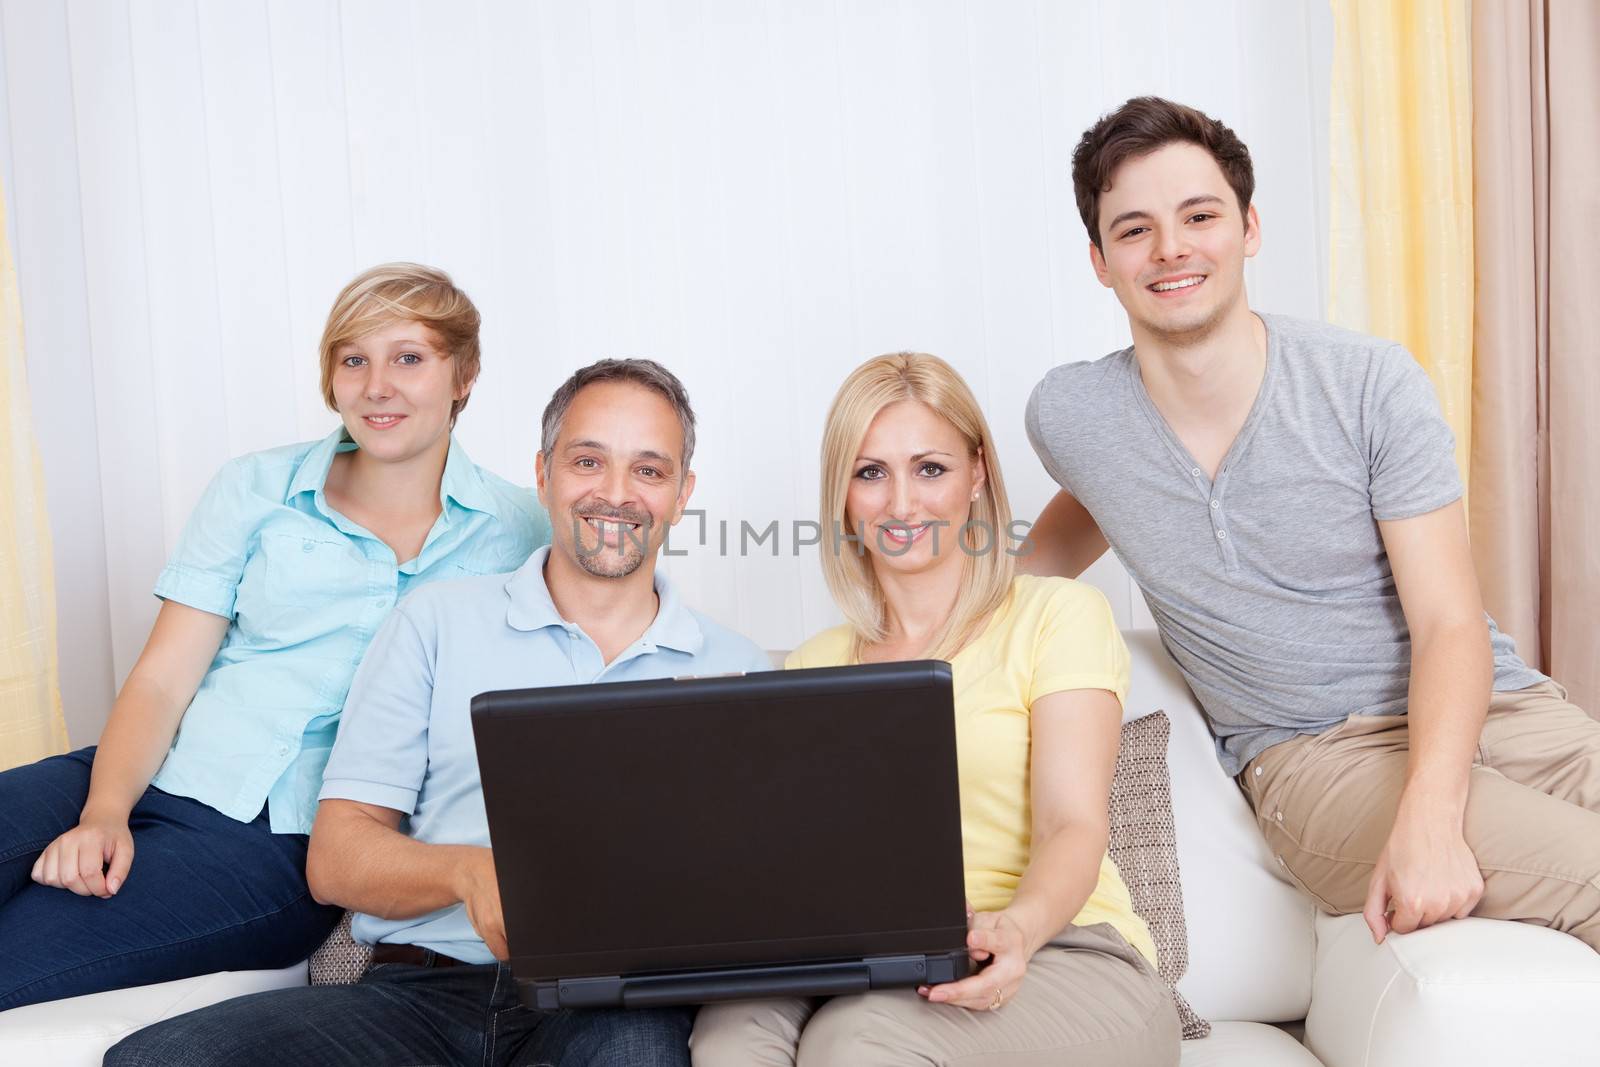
point(674, 824)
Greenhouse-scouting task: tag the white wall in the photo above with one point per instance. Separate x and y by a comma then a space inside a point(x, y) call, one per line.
point(760, 195)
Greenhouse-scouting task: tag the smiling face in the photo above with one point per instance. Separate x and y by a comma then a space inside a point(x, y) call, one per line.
point(1175, 240)
point(613, 481)
point(394, 388)
point(912, 488)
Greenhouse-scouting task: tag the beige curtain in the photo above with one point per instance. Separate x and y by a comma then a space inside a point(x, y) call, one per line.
point(1535, 510)
point(1401, 198)
point(30, 699)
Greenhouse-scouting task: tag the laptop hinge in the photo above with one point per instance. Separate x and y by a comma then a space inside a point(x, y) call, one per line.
point(813, 979)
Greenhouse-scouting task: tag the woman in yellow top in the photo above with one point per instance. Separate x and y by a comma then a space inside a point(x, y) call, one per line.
point(1067, 971)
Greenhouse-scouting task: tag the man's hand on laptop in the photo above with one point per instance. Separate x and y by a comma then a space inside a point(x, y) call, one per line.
point(480, 892)
point(1425, 874)
point(999, 948)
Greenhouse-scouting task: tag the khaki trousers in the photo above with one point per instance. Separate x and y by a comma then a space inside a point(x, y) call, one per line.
point(1088, 999)
point(1327, 802)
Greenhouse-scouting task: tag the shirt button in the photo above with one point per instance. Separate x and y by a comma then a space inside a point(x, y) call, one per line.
point(1215, 505)
point(1258, 772)
point(283, 750)
point(1195, 472)
point(1222, 535)
point(1278, 815)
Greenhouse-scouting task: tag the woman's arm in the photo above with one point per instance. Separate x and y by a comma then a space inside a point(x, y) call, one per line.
point(1075, 737)
point(136, 738)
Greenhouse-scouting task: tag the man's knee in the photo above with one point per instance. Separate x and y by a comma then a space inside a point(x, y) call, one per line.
point(657, 1037)
point(237, 1032)
point(131, 1051)
point(164, 1044)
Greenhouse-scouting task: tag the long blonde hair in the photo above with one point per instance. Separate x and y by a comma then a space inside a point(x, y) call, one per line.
point(989, 569)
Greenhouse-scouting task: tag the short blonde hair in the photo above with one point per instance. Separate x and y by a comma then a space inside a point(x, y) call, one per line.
point(990, 568)
point(394, 292)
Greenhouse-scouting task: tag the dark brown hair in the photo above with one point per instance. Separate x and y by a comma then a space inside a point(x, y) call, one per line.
point(1138, 128)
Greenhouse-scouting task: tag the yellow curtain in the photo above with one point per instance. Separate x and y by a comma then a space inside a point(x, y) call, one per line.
point(1401, 203)
point(31, 726)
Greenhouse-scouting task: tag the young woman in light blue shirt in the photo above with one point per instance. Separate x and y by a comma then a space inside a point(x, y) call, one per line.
point(178, 846)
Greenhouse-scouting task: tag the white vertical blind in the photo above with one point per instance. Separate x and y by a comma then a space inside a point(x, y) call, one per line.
point(760, 195)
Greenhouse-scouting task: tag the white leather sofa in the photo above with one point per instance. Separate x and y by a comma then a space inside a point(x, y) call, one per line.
point(1463, 994)
point(1282, 986)
point(77, 1032)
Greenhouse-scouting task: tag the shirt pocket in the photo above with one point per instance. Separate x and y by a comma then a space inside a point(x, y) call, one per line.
point(297, 588)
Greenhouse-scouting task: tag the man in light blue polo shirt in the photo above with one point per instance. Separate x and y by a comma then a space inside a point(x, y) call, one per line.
point(401, 837)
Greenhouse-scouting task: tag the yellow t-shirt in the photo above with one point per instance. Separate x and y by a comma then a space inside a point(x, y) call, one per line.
point(1048, 635)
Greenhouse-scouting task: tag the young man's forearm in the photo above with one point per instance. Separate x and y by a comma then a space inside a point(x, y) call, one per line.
point(1452, 673)
point(1063, 541)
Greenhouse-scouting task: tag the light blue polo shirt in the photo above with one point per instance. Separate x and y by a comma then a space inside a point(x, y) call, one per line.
point(406, 739)
point(306, 589)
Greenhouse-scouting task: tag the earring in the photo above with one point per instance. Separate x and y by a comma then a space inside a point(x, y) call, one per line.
point(976, 493)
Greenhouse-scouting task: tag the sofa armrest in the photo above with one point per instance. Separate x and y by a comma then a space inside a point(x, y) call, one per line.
point(1463, 993)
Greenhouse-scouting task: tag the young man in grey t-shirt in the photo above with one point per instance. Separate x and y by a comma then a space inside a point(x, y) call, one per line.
point(1285, 493)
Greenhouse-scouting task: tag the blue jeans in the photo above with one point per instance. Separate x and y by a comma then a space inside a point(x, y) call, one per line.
point(205, 893)
point(401, 1014)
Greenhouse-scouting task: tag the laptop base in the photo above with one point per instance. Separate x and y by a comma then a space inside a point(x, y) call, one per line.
point(789, 980)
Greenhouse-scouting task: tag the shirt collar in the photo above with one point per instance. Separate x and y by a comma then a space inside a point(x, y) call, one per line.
point(312, 474)
point(462, 481)
point(531, 608)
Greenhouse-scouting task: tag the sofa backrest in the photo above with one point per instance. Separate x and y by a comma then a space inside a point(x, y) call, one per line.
point(1251, 932)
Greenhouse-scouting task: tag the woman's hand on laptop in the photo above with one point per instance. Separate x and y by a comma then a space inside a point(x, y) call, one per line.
point(480, 892)
point(999, 948)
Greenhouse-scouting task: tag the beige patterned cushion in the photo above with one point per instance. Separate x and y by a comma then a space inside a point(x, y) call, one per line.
point(341, 960)
point(1144, 846)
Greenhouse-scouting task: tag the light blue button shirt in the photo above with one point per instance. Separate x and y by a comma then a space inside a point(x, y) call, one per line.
point(406, 739)
point(306, 589)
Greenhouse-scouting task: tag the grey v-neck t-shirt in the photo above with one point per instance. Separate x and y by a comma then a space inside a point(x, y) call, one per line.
point(1270, 586)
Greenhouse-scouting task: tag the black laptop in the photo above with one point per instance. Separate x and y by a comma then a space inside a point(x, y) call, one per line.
point(680, 841)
